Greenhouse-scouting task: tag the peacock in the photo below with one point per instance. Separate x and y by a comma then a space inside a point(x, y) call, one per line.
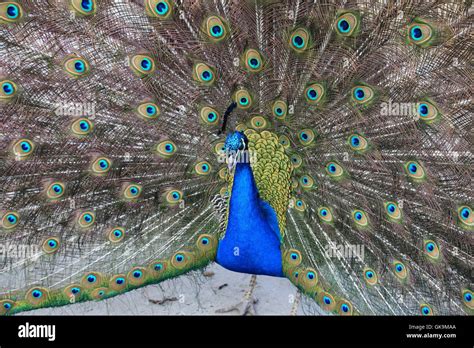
point(325, 141)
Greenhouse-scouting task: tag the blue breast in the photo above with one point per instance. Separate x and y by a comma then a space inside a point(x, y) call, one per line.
point(252, 240)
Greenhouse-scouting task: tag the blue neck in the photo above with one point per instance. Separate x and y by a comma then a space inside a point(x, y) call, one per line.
point(250, 244)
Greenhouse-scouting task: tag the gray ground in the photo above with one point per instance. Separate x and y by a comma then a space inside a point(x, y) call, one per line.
point(198, 293)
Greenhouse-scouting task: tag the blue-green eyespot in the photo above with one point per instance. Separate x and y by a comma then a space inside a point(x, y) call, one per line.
point(204, 74)
point(76, 66)
point(10, 12)
point(243, 99)
point(215, 28)
point(142, 64)
point(10, 219)
point(347, 23)
point(393, 211)
point(166, 149)
point(420, 33)
point(252, 61)
point(300, 40)
point(23, 148)
point(465, 216)
point(8, 89)
point(360, 218)
point(84, 7)
point(415, 171)
point(279, 109)
point(161, 9)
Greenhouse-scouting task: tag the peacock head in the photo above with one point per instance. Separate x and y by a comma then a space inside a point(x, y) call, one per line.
point(235, 141)
point(236, 145)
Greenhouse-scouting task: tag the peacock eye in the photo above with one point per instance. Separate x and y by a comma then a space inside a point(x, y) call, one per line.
point(142, 64)
point(215, 28)
point(258, 122)
point(81, 126)
point(296, 160)
point(84, 7)
point(7, 305)
point(86, 219)
point(400, 270)
point(307, 182)
point(10, 12)
point(279, 109)
point(162, 8)
point(101, 165)
point(202, 168)
point(431, 249)
point(426, 309)
point(10, 220)
point(415, 171)
point(23, 148)
point(173, 197)
point(327, 300)
point(345, 308)
point(334, 170)
point(325, 214)
point(420, 33)
point(76, 66)
point(306, 137)
point(148, 111)
point(360, 218)
point(166, 149)
point(393, 211)
point(370, 276)
point(37, 293)
point(209, 116)
point(347, 24)
point(116, 234)
point(314, 93)
point(362, 95)
point(252, 61)
point(243, 99)
point(299, 40)
point(132, 191)
point(204, 74)
point(299, 204)
point(467, 298)
point(8, 89)
point(465, 216)
point(427, 111)
point(358, 143)
point(51, 245)
point(158, 8)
